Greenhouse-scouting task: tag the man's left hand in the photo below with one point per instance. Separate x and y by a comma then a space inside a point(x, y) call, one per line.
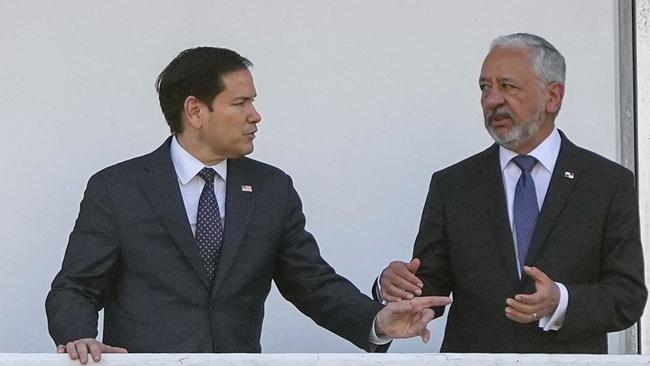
point(529, 308)
point(408, 318)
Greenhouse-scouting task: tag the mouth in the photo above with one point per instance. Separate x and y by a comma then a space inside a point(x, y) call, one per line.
point(497, 120)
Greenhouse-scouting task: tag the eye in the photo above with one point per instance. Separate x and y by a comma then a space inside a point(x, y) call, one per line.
point(483, 87)
point(242, 102)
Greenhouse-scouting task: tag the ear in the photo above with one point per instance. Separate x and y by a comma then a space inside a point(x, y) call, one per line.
point(554, 96)
point(192, 110)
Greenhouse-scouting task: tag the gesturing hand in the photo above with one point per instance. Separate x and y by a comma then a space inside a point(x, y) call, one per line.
point(528, 308)
point(398, 281)
point(408, 318)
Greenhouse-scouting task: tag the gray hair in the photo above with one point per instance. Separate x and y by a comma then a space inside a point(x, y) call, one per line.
point(548, 62)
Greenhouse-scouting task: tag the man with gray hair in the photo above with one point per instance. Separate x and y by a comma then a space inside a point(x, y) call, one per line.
point(536, 238)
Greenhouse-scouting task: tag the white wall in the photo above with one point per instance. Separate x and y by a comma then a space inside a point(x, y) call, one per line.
point(361, 102)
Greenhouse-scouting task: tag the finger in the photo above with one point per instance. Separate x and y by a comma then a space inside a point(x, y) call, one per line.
point(530, 299)
point(536, 274)
point(396, 284)
point(71, 349)
point(111, 349)
point(518, 316)
point(396, 292)
point(522, 306)
point(413, 266)
point(426, 336)
point(400, 287)
point(60, 348)
point(390, 298)
point(425, 316)
point(400, 269)
point(424, 302)
point(95, 350)
point(391, 292)
point(82, 349)
point(431, 301)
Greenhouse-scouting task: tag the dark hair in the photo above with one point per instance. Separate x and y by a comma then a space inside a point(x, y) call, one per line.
point(195, 72)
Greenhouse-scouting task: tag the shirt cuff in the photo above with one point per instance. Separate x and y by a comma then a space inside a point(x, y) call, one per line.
point(375, 339)
point(555, 321)
point(378, 291)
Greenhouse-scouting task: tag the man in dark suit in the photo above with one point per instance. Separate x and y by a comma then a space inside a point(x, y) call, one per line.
point(537, 239)
point(179, 246)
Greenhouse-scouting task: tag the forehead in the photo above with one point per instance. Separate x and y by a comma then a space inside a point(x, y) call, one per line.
point(508, 62)
point(239, 83)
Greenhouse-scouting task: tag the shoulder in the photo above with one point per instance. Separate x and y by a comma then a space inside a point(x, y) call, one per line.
point(598, 162)
point(260, 169)
point(595, 167)
point(484, 161)
point(158, 161)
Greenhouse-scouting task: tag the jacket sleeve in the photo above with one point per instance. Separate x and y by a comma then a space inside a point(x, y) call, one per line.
point(89, 268)
point(616, 300)
point(311, 284)
point(431, 246)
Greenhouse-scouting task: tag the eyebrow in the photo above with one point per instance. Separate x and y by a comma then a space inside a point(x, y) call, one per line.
point(507, 79)
point(244, 98)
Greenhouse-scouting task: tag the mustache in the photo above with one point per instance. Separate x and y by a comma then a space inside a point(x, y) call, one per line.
point(497, 114)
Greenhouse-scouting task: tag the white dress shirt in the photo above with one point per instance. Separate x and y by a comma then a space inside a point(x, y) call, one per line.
point(546, 154)
point(187, 167)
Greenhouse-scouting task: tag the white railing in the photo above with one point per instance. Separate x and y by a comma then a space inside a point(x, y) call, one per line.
point(315, 359)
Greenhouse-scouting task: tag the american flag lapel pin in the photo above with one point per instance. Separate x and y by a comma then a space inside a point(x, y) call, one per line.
point(246, 188)
point(569, 175)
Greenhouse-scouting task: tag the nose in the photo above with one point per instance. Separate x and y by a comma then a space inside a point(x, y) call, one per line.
point(492, 98)
point(254, 116)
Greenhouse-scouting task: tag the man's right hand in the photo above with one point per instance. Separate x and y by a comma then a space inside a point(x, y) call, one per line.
point(398, 281)
point(79, 349)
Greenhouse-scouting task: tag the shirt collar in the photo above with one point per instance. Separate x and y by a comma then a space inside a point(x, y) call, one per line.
point(546, 153)
point(187, 166)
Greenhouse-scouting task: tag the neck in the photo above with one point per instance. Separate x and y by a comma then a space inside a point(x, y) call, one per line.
point(198, 150)
point(530, 144)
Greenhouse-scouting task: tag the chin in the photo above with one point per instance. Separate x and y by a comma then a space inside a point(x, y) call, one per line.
point(247, 150)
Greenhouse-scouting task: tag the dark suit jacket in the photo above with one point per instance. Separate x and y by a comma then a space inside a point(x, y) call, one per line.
point(132, 253)
point(586, 237)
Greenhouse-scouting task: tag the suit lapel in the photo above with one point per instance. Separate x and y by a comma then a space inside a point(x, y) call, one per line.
point(497, 213)
point(565, 174)
point(162, 191)
point(240, 196)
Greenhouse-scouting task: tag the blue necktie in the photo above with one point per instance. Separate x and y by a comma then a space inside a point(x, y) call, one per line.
point(526, 208)
point(209, 230)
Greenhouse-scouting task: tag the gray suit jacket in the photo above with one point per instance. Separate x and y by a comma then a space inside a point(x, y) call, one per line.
point(132, 253)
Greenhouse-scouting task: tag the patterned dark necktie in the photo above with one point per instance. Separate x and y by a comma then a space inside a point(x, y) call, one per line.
point(526, 208)
point(209, 230)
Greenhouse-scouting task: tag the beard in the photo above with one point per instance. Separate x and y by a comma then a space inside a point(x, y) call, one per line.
point(520, 131)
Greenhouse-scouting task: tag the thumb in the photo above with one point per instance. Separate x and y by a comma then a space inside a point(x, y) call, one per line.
point(60, 349)
point(536, 274)
point(413, 265)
